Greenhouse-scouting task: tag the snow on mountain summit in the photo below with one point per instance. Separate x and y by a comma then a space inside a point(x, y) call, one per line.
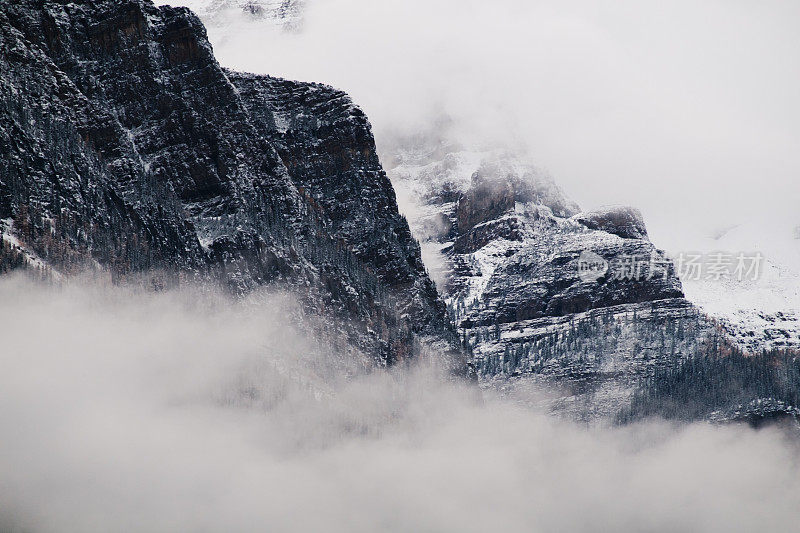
point(762, 311)
point(287, 13)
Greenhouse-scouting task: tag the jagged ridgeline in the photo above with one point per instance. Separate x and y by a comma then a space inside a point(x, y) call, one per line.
point(127, 149)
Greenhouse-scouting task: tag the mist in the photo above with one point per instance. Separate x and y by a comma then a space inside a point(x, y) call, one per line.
point(685, 110)
point(188, 411)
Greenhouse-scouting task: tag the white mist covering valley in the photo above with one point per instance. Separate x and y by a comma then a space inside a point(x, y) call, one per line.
point(187, 411)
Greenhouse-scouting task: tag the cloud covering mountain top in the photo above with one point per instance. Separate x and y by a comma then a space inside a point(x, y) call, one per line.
point(684, 110)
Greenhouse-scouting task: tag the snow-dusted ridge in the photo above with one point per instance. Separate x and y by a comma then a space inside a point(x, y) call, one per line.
point(763, 312)
point(509, 242)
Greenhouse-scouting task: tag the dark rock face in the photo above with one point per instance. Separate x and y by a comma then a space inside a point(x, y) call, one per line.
point(126, 147)
point(319, 134)
point(625, 222)
point(484, 202)
point(507, 222)
point(524, 286)
point(590, 364)
point(496, 188)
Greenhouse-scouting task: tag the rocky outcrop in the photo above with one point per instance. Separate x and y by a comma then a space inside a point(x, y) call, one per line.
point(626, 222)
point(127, 148)
point(545, 296)
point(537, 279)
point(578, 312)
point(518, 248)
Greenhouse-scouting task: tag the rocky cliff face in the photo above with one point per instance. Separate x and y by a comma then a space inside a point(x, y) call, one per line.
point(579, 310)
point(546, 297)
point(127, 148)
point(325, 142)
point(575, 311)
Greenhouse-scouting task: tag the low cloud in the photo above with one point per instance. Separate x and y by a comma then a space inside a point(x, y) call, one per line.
point(186, 411)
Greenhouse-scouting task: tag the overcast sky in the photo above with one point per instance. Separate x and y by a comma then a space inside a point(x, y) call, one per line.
point(688, 110)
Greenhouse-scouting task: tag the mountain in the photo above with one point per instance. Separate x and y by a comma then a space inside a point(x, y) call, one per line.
point(129, 152)
point(127, 149)
point(578, 310)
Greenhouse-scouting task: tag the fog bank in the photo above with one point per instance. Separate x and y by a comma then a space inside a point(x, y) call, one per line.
point(185, 411)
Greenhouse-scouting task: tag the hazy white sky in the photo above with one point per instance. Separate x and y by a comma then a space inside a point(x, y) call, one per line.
point(685, 109)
